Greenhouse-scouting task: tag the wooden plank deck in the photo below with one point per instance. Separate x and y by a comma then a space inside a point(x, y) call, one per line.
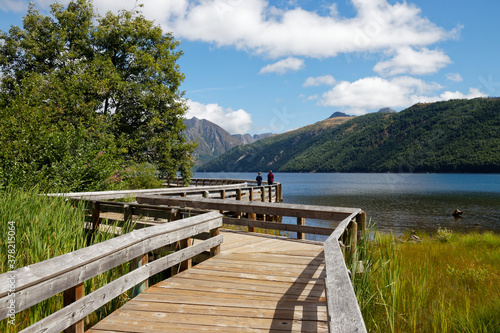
point(258, 283)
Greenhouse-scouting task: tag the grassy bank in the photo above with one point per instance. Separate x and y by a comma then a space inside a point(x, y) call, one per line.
point(42, 228)
point(445, 283)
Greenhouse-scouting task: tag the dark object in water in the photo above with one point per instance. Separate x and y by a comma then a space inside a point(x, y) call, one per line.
point(457, 213)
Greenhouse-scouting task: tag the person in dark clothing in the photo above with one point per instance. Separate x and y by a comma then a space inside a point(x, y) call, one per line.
point(270, 177)
point(259, 179)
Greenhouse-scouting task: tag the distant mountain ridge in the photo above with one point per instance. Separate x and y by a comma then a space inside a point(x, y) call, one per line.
point(452, 136)
point(213, 140)
point(386, 110)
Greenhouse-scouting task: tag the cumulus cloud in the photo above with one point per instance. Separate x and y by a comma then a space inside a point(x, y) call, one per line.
point(406, 60)
point(372, 93)
point(454, 77)
point(13, 5)
point(257, 26)
point(283, 66)
point(233, 121)
point(319, 81)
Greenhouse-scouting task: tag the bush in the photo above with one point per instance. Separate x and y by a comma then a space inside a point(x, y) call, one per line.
point(139, 176)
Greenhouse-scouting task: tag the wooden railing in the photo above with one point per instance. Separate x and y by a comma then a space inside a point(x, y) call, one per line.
point(171, 204)
point(238, 190)
point(344, 314)
point(68, 272)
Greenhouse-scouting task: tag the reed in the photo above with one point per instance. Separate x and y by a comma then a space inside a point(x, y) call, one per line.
point(46, 227)
point(443, 283)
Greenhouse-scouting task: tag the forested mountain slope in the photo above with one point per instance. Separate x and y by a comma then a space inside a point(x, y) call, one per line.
point(451, 136)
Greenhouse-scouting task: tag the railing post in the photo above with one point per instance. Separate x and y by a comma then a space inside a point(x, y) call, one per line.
point(361, 221)
point(96, 212)
point(238, 197)
point(250, 194)
point(127, 214)
point(70, 296)
point(215, 250)
point(263, 194)
point(270, 193)
point(222, 196)
point(186, 264)
point(134, 264)
point(300, 221)
point(350, 239)
point(252, 216)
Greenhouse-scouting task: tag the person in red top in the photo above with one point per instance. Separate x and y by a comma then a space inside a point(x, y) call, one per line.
point(270, 177)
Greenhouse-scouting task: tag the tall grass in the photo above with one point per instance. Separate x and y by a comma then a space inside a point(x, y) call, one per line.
point(446, 283)
point(45, 228)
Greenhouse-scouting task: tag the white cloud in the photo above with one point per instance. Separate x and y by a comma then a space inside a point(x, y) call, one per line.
point(406, 60)
point(473, 92)
point(454, 77)
point(283, 66)
point(257, 26)
point(233, 121)
point(319, 80)
point(13, 5)
point(372, 93)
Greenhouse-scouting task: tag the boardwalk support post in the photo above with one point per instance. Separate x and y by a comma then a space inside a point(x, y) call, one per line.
point(70, 296)
point(96, 211)
point(300, 221)
point(215, 250)
point(134, 264)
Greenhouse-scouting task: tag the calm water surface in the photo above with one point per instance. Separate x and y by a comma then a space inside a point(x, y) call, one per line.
point(397, 202)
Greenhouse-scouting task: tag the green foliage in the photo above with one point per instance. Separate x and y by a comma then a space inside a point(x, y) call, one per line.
point(81, 94)
point(140, 176)
point(452, 136)
point(444, 235)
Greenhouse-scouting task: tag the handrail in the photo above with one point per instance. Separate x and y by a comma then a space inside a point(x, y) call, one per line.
point(42, 280)
point(344, 314)
point(160, 191)
point(281, 209)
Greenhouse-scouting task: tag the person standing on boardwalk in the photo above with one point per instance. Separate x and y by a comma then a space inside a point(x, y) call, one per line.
point(270, 177)
point(259, 179)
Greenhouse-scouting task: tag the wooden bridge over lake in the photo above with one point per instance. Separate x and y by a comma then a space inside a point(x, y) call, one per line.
point(220, 280)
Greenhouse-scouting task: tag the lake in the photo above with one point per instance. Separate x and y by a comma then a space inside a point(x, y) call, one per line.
point(396, 202)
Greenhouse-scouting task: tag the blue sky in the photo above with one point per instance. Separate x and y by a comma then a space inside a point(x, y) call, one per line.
point(255, 66)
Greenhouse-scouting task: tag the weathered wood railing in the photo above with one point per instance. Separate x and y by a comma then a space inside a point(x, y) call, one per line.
point(344, 314)
point(239, 190)
point(252, 209)
point(68, 272)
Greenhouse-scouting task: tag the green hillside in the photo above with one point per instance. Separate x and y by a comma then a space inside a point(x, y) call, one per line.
point(452, 136)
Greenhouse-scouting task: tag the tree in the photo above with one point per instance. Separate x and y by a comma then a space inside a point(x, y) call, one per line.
point(113, 81)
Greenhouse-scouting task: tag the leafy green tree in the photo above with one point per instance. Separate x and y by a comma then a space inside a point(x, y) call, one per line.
point(105, 88)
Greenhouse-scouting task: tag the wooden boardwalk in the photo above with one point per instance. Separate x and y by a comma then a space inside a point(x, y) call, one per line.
point(258, 283)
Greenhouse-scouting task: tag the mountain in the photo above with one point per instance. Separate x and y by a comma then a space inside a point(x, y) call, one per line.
point(451, 136)
point(386, 110)
point(297, 140)
point(213, 140)
point(338, 114)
